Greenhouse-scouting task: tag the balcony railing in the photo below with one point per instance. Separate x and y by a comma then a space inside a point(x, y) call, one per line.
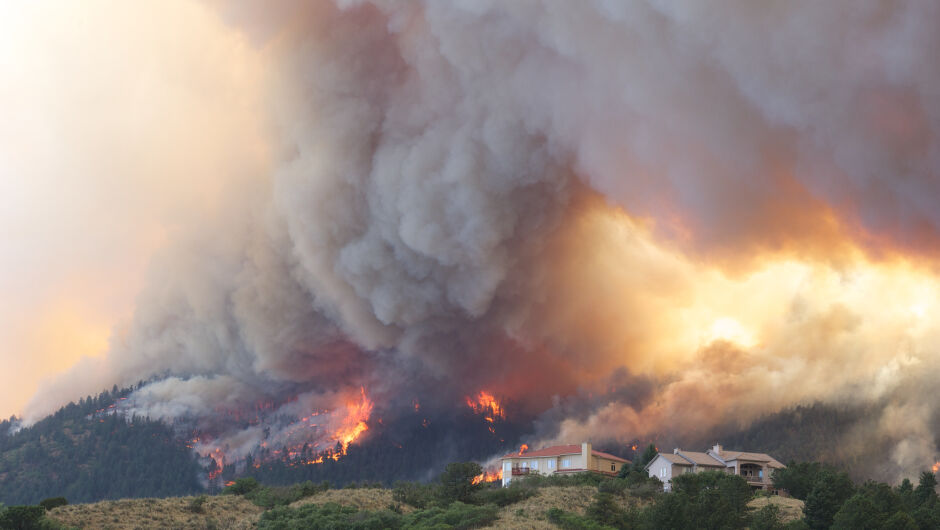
point(523, 470)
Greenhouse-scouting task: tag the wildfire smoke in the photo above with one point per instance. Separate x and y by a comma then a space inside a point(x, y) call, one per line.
point(620, 218)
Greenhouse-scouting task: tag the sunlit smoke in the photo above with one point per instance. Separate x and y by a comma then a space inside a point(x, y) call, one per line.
point(621, 218)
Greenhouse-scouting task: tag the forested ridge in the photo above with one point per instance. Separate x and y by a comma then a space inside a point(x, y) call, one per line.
point(85, 454)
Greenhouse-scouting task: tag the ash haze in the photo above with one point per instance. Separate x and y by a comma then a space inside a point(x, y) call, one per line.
point(701, 213)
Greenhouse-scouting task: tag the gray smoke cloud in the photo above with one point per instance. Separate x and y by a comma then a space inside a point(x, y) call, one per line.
point(438, 164)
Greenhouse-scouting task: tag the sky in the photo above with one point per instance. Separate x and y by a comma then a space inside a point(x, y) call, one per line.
point(120, 124)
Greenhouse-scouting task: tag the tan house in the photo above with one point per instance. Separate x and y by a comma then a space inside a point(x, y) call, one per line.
point(756, 468)
point(559, 459)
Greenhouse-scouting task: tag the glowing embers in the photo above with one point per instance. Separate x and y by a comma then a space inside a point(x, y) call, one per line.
point(935, 467)
point(488, 476)
point(486, 405)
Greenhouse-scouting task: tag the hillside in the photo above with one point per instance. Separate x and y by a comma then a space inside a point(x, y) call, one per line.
point(237, 512)
point(85, 453)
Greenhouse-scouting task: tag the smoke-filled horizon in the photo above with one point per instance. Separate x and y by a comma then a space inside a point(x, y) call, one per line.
point(624, 218)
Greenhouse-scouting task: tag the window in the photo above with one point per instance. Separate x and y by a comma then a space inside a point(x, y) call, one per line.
point(566, 463)
point(551, 464)
point(613, 467)
point(525, 465)
point(662, 472)
point(535, 464)
point(507, 467)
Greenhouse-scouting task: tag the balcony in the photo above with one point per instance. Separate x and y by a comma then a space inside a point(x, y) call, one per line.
point(523, 471)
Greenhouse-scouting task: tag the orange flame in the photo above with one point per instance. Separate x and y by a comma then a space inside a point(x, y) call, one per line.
point(935, 467)
point(488, 476)
point(523, 448)
point(354, 424)
point(487, 405)
point(219, 458)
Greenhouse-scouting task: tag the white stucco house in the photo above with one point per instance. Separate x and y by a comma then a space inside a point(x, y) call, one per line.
point(755, 468)
point(559, 459)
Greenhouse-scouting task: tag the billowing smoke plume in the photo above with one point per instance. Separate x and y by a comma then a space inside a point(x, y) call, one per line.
point(700, 213)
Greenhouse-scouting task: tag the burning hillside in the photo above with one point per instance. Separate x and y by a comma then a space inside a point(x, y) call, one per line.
point(581, 220)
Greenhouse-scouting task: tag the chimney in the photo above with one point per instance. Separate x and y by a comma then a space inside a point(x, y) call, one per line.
point(586, 453)
point(717, 449)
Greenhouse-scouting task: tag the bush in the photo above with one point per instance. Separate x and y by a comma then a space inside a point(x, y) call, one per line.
point(767, 518)
point(53, 502)
point(241, 486)
point(457, 482)
point(457, 515)
point(826, 498)
point(414, 494)
point(197, 505)
point(503, 496)
point(329, 515)
point(22, 517)
point(571, 521)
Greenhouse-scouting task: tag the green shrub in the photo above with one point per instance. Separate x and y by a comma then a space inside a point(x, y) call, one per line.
point(503, 496)
point(53, 502)
point(571, 521)
point(456, 482)
point(241, 486)
point(767, 518)
point(414, 494)
point(456, 515)
point(197, 505)
point(22, 517)
point(329, 515)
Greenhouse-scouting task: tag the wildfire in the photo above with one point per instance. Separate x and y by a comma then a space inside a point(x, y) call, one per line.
point(523, 448)
point(219, 458)
point(935, 467)
point(486, 404)
point(488, 476)
point(354, 424)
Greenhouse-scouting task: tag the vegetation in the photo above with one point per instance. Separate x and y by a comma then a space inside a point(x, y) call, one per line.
point(85, 453)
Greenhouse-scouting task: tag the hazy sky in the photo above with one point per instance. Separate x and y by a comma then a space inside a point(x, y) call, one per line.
point(121, 122)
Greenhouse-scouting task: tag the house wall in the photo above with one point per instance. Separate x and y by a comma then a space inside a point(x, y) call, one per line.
point(663, 470)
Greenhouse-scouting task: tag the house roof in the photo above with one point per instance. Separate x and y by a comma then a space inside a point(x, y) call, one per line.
point(558, 450)
point(730, 456)
point(675, 459)
point(609, 456)
point(701, 459)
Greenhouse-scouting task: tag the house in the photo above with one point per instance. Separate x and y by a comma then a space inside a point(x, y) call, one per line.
point(756, 468)
point(559, 459)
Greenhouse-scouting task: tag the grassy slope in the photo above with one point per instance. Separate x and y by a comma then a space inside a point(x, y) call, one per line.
point(227, 511)
point(224, 511)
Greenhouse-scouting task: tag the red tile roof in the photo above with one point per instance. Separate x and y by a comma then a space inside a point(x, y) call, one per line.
point(555, 450)
point(558, 450)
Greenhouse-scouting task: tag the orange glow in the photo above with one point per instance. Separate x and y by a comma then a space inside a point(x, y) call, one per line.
point(354, 424)
point(219, 458)
point(523, 448)
point(488, 476)
point(935, 467)
point(487, 405)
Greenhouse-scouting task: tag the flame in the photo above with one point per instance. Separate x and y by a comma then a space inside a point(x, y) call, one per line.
point(487, 405)
point(488, 476)
point(633, 447)
point(935, 467)
point(354, 424)
point(523, 448)
point(219, 458)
